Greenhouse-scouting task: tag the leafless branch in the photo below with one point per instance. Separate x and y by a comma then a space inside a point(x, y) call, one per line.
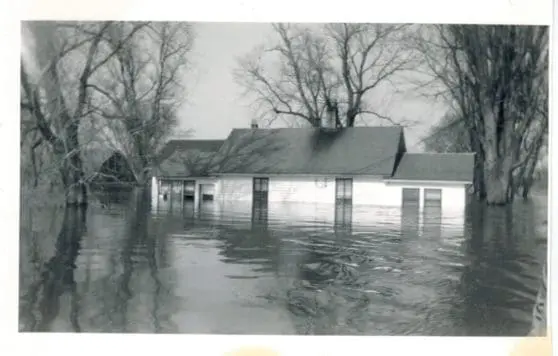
point(333, 70)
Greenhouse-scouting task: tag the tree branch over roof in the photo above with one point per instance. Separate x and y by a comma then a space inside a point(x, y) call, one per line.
point(331, 68)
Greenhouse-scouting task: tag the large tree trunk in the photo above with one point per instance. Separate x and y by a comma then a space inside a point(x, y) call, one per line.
point(75, 184)
point(141, 200)
point(76, 190)
point(527, 182)
point(478, 178)
point(76, 195)
point(142, 173)
point(498, 156)
point(496, 190)
point(529, 170)
point(497, 171)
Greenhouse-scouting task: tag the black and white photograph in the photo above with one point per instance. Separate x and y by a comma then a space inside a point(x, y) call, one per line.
point(283, 178)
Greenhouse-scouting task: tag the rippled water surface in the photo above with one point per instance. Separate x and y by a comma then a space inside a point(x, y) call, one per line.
point(282, 270)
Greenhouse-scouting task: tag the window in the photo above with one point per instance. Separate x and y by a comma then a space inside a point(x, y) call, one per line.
point(411, 195)
point(343, 189)
point(259, 211)
point(207, 192)
point(261, 188)
point(432, 196)
point(261, 184)
point(189, 190)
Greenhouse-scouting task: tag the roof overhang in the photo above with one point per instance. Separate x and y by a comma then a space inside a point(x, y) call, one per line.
point(185, 177)
point(428, 182)
point(309, 175)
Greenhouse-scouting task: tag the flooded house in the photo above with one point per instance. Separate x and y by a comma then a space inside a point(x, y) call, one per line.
point(182, 173)
point(356, 166)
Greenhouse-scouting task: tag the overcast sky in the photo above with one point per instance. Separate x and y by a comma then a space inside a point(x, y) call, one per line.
point(214, 105)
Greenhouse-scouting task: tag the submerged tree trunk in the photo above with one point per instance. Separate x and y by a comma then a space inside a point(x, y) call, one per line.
point(77, 194)
point(497, 78)
point(141, 199)
point(528, 180)
point(528, 172)
point(497, 175)
point(76, 190)
point(478, 178)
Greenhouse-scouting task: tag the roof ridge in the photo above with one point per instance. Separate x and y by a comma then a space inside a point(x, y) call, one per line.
point(315, 128)
point(440, 153)
point(196, 139)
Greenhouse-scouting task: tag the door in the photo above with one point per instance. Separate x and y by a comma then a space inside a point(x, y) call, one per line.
point(410, 196)
point(260, 190)
point(189, 191)
point(343, 191)
point(176, 192)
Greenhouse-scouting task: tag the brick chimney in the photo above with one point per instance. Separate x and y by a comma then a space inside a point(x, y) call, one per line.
point(254, 124)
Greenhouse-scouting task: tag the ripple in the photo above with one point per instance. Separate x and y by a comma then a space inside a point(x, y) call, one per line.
point(385, 275)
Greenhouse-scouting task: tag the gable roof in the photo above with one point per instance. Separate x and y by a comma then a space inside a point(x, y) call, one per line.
point(115, 169)
point(436, 167)
point(173, 146)
point(186, 157)
point(354, 151)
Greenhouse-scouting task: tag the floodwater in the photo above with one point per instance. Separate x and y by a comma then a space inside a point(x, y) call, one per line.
point(374, 271)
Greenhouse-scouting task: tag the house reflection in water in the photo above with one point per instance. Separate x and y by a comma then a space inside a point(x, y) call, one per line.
point(422, 217)
point(432, 220)
point(343, 214)
point(410, 219)
point(260, 213)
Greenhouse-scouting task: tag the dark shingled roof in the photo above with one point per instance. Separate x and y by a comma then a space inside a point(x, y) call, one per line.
point(188, 145)
point(351, 151)
point(186, 157)
point(436, 167)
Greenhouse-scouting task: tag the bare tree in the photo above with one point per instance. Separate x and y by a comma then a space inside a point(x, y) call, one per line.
point(58, 64)
point(497, 79)
point(334, 68)
point(448, 135)
point(143, 89)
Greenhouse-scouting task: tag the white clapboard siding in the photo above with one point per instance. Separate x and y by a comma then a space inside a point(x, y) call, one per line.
point(369, 191)
point(235, 189)
point(302, 189)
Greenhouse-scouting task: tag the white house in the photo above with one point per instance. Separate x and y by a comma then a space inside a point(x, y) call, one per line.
point(181, 175)
point(354, 166)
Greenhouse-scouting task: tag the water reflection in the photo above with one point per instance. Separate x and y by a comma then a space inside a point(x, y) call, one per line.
point(410, 221)
point(503, 259)
point(260, 268)
point(343, 215)
point(432, 221)
point(41, 305)
point(260, 214)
